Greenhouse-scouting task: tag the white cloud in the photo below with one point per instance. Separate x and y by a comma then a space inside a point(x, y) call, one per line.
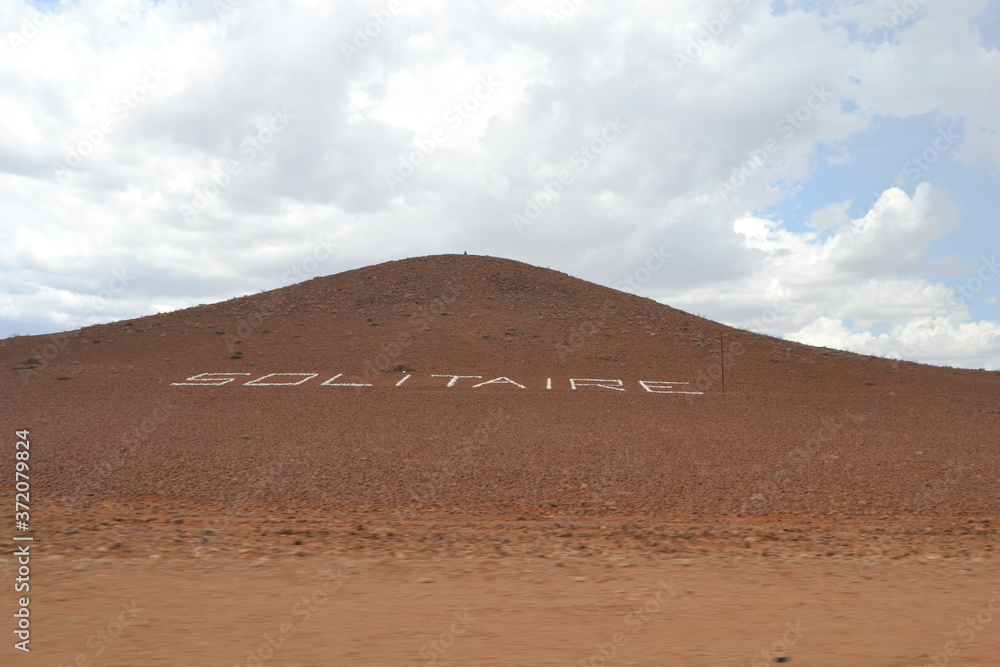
point(809, 286)
point(703, 89)
point(940, 340)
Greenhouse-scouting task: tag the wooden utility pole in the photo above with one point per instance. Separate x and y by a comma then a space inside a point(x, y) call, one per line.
point(722, 359)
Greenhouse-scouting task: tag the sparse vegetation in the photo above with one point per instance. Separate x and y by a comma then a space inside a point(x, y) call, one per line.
point(238, 354)
point(401, 368)
point(220, 332)
point(243, 437)
point(870, 384)
point(446, 313)
point(606, 357)
point(28, 364)
point(265, 331)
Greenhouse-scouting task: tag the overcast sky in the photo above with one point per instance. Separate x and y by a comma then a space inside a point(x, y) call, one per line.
point(821, 171)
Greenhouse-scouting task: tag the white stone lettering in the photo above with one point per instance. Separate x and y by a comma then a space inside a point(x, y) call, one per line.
point(331, 383)
point(574, 383)
point(455, 378)
point(296, 379)
point(499, 380)
point(664, 387)
point(259, 382)
point(202, 380)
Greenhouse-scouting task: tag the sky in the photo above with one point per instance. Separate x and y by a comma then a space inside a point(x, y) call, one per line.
point(824, 172)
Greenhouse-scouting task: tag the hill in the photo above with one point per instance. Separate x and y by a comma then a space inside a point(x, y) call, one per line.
point(478, 384)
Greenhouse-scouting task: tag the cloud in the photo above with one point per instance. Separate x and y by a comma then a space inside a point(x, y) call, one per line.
point(392, 130)
point(809, 286)
point(940, 340)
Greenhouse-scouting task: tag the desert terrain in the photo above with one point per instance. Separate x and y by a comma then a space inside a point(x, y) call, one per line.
point(464, 460)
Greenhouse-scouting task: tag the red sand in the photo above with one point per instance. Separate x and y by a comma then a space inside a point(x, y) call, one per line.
point(807, 451)
point(799, 430)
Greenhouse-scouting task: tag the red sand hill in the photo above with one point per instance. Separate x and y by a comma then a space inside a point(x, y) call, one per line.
point(571, 397)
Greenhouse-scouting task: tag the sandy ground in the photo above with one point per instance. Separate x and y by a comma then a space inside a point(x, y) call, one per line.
point(153, 584)
point(476, 610)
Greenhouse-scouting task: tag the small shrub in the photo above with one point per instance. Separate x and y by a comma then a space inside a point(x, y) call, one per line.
point(606, 357)
point(29, 364)
point(220, 332)
point(401, 368)
point(236, 355)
